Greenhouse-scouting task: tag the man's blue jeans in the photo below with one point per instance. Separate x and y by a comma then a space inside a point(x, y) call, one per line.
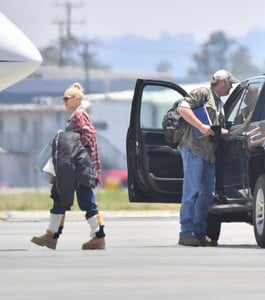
point(198, 189)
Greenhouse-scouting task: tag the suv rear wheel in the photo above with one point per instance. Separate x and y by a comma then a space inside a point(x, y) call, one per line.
point(259, 211)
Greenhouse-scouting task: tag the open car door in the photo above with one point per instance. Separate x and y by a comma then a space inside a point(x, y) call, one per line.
point(154, 168)
point(242, 117)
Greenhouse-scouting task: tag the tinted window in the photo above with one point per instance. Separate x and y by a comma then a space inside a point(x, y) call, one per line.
point(244, 104)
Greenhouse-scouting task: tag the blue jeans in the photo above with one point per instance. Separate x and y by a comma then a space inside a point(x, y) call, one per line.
point(85, 199)
point(198, 189)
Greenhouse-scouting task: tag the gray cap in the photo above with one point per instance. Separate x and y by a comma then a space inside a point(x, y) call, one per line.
point(223, 75)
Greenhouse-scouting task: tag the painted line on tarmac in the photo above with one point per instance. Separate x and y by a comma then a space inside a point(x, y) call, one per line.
point(35, 216)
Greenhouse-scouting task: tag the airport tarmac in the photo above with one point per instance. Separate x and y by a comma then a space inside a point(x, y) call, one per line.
point(142, 261)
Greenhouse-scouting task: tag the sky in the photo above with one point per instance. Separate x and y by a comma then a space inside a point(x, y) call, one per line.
point(146, 18)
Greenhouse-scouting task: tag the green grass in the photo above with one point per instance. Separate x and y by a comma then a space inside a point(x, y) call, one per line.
point(108, 200)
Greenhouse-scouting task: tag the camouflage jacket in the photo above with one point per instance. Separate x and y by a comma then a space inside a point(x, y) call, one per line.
point(202, 146)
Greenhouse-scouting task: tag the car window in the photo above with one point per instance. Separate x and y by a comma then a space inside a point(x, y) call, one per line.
point(244, 104)
point(233, 111)
point(156, 101)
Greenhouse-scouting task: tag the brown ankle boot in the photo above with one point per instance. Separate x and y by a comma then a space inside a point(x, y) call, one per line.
point(95, 243)
point(47, 240)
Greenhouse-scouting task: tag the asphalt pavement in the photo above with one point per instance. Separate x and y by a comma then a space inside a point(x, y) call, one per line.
point(142, 260)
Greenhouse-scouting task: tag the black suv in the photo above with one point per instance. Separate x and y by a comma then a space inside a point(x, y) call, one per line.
point(155, 169)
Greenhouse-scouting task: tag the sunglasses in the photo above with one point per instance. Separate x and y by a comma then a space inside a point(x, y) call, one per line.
point(66, 98)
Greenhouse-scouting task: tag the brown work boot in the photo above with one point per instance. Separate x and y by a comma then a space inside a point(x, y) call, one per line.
point(47, 240)
point(95, 243)
point(189, 240)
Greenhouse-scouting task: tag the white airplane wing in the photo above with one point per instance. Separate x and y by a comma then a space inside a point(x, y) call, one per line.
point(18, 56)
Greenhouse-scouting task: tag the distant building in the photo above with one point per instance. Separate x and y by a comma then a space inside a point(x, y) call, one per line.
point(24, 130)
point(51, 81)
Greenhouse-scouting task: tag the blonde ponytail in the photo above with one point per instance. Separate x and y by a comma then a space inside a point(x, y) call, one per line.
point(76, 90)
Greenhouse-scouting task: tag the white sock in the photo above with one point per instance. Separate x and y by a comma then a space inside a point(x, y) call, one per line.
point(93, 222)
point(55, 221)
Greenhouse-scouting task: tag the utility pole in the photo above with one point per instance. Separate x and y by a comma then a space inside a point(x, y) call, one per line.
point(86, 59)
point(61, 41)
point(66, 39)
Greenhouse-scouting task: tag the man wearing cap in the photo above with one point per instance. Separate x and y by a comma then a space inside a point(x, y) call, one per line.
point(198, 156)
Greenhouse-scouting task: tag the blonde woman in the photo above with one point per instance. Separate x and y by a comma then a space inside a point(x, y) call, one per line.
point(79, 122)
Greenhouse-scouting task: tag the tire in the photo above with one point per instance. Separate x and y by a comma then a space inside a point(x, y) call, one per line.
point(259, 211)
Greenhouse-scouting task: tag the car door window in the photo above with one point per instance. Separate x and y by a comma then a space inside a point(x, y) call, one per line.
point(233, 111)
point(156, 101)
point(244, 104)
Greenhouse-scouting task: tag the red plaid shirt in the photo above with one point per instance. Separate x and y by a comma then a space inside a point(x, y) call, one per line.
point(81, 123)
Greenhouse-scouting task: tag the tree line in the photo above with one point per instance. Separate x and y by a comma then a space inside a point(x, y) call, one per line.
point(217, 52)
point(220, 52)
